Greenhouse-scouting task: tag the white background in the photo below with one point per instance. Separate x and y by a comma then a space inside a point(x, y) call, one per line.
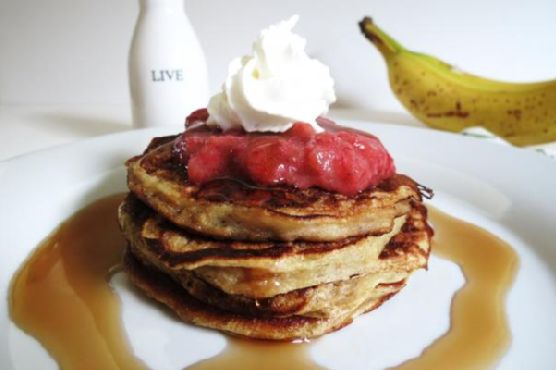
point(63, 76)
point(63, 63)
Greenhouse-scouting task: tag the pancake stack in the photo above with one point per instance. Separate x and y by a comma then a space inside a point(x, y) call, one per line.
point(275, 263)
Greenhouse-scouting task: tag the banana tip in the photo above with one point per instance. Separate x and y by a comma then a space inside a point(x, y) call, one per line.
point(364, 26)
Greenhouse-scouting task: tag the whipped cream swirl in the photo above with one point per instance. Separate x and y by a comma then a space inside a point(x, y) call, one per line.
point(275, 87)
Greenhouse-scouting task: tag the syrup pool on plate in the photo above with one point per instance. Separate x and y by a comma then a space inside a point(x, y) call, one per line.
point(61, 296)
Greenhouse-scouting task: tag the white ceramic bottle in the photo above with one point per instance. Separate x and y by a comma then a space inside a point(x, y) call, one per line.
point(167, 69)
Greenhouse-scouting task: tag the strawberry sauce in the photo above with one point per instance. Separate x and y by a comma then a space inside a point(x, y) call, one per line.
point(340, 161)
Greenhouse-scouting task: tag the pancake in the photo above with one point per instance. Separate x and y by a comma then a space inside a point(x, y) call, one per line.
point(228, 209)
point(275, 263)
point(322, 301)
point(268, 269)
point(315, 301)
point(164, 289)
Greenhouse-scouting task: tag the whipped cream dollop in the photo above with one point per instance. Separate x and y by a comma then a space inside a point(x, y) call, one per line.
point(276, 86)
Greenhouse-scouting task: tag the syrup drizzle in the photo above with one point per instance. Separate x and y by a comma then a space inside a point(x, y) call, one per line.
point(479, 333)
point(246, 354)
point(61, 296)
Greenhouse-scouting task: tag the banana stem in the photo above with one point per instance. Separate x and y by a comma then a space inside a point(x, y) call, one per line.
point(384, 43)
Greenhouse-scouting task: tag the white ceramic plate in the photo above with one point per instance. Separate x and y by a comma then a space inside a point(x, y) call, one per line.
point(508, 191)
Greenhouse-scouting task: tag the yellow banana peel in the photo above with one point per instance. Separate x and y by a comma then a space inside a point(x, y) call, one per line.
point(446, 98)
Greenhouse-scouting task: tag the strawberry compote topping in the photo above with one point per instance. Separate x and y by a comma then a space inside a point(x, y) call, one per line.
point(346, 162)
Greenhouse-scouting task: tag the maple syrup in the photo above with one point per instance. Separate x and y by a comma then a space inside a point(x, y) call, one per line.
point(247, 354)
point(479, 332)
point(61, 296)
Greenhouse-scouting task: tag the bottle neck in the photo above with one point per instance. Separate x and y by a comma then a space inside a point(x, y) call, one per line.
point(168, 5)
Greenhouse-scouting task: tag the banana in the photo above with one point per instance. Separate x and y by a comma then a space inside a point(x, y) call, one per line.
point(444, 97)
